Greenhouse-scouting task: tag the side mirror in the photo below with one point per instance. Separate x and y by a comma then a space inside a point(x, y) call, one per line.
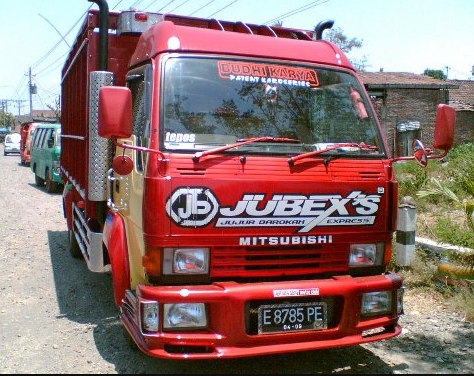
point(419, 153)
point(442, 140)
point(444, 128)
point(115, 112)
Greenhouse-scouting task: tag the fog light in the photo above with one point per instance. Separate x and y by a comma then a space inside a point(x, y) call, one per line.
point(184, 316)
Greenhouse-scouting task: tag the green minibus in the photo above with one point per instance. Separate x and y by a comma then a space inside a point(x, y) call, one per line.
point(45, 156)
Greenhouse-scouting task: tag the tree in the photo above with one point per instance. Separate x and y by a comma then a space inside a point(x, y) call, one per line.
point(56, 109)
point(337, 37)
point(346, 44)
point(7, 120)
point(438, 74)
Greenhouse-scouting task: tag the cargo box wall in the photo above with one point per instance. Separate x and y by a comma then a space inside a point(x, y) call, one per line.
point(82, 60)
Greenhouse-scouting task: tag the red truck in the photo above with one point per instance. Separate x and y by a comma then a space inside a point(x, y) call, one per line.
point(26, 131)
point(26, 128)
point(234, 180)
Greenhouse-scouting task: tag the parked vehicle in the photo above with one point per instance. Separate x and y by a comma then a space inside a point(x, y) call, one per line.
point(45, 156)
point(235, 181)
point(12, 144)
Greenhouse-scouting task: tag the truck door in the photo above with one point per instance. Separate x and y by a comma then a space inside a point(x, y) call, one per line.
point(128, 196)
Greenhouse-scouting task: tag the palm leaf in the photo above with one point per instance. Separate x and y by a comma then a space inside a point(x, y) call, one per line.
point(436, 188)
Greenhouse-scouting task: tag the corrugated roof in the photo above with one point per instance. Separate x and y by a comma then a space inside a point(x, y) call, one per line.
point(403, 80)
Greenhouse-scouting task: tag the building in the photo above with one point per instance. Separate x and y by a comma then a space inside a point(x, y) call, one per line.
point(38, 115)
point(406, 104)
point(462, 99)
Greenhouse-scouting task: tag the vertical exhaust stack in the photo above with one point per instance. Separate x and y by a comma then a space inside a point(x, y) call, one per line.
point(320, 27)
point(100, 149)
point(103, 33)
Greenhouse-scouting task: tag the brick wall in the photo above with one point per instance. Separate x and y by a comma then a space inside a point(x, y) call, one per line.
point(403, 105)
point(464, 128)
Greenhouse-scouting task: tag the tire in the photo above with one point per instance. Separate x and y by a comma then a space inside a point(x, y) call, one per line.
point(74, 246)
point(39, 181)
point(51, 186)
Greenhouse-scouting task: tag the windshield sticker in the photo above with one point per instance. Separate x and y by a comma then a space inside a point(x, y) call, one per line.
point(180, 137)
point(198, 206)
point(268, 74)
point(270, 92)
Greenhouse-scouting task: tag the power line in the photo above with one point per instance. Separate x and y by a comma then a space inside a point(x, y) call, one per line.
point(296, 11)
point(54, 27)
point(223, 8)
point(184, 2)
point(205, 5)
point(59, 60)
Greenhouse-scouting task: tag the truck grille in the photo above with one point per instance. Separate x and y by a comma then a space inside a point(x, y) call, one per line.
point(278, 261)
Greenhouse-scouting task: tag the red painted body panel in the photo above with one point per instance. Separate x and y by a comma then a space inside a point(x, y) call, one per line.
point(115, 240)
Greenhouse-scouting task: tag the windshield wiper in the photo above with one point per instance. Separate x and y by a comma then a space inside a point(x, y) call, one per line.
point(361, 146)
point(241, 142)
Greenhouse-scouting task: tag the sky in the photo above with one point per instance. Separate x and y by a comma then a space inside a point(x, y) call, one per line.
point(396, 35)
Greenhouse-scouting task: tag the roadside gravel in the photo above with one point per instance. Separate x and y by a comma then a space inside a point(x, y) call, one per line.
point(57, 317)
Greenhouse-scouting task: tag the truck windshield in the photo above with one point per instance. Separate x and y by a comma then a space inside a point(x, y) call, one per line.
point(212, 102)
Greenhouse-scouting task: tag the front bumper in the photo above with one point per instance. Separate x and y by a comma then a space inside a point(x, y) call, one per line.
point(231, 311)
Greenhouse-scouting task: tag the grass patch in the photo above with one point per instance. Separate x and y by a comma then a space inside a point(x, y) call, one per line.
point(442, 216)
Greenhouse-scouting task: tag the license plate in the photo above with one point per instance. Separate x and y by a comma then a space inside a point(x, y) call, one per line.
point(292, 317)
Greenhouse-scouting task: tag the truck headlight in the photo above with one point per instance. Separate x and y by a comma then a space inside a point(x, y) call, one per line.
point(184, 316)
point(185, 261)
point(149, 316)
point(376, 303)
point(370, 254)
point(400, 293)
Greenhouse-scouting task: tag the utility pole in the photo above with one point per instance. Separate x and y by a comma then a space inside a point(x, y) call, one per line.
point(18, 102)
point(447, 70)
point(3, 108)
point(33, 90)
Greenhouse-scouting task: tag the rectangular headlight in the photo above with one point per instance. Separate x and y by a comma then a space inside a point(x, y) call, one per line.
point(185, 261)
point(376, 303)
point(149, 314)
point(184, 316)
point(370, 254)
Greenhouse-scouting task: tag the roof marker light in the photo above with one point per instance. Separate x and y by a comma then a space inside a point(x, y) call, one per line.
point(173, 43)
point(141, 17)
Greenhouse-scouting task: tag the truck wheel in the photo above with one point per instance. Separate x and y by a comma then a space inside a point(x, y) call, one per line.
point(51, 186)
point(74, 246)
point(39, 181)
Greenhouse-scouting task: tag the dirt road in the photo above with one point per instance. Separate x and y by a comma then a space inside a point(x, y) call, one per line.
point(57, 317)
